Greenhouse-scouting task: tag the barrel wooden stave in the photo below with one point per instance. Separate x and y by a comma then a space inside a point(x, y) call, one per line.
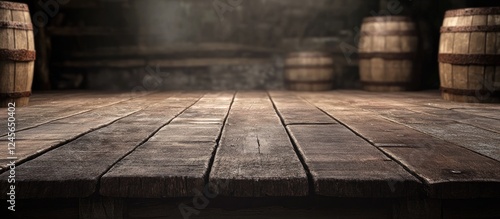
point(388, 35)
point(464, 32)
point(309, 71)
point(16, 72)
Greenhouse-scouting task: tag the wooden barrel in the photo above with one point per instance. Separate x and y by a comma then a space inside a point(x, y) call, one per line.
point(17, 53)
point(469, 55)
point(388, 50)
point(309, 71)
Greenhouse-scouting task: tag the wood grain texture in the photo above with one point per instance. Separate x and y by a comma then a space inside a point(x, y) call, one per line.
point(73, 170)
point(482, 141)
point(388, 54)
point(430, 98)
point(37, 140)
point(449, 171)
point(294, 110)
point(345, 165)
point(64, 108)
point(16, 72)
point(434, 121)
point(341, 163)
point(176, 159)
point(255, 157)
point(470, 78)
point(309, 71)
point(423, 114)
point(170, 145)
point(490, 113)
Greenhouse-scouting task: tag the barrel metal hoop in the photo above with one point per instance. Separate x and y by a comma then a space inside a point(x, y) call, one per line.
point(470, 59)
point(387, 19)
point(467, 92)
point(21, 55)
point(387, 55)
point(15, 94)
point(482, 28)
point(13, 6)
point(390, 33)
point(472, 11)
point(388, 83)
point(16, 25)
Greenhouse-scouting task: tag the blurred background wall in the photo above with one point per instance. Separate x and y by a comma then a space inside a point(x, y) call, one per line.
point(211, 44)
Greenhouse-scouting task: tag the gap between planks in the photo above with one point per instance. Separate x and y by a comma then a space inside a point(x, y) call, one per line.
point(423, 106)
point(185, 133)
point(79, 150)
point(50, 144)
point(441, 184)
point(98, 186)
point(62, 109)
point(310, 179)
point(367, 173)
point(476, 139)
point(247, 167)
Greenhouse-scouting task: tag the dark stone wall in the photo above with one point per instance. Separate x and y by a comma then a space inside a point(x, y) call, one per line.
point(252, 22)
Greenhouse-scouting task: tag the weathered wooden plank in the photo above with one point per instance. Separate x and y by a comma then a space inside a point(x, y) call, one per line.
point(481, 141)
point(341, 163)
point(345, 165)
point(451, 172)
point(484, 140)
point(32, 142)
point(176, 159)
point(73, 170)
point(465, 118)
point(434, 100)
point(37, 140)
point(488, 112)
point(294, 110)
point(448, 170)
point(371, 129)
point(255, 156)
point(52, 110)
point(481, 116)
point(46, 98)
point(25, 149)
point(428, 97)
point(440, 123)
point(412, 110)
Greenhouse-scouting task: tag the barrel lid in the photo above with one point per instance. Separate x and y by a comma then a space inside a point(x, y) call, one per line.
point(308, 54)
point(472, 11)
point(14, 6)
point(387, 18)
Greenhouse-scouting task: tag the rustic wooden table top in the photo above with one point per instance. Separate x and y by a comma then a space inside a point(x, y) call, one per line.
point(254, 144)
